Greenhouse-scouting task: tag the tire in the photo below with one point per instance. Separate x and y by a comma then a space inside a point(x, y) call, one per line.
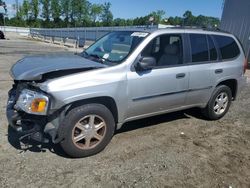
point(214, 109)
point(87, 130)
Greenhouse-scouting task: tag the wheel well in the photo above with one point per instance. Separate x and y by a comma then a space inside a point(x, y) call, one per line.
point(232, 84)
point(106, 101)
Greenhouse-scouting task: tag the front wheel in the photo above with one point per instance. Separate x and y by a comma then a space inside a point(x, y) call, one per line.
point(219, 103)
point(87, 130)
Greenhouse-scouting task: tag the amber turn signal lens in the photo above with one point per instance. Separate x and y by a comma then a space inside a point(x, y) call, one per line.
point(38, 105)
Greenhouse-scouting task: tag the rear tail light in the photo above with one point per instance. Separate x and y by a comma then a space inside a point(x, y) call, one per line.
point(245, 66)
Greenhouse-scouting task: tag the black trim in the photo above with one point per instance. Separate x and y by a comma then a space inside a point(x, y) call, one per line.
point(218, 71)
point(198, 89)
point(159, 95)
point(187, 50)
point(216, 47)
point(171, 93)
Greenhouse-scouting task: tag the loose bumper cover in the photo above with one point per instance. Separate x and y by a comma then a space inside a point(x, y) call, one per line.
point(26, 125)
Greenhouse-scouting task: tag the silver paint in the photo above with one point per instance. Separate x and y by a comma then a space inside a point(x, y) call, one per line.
point(123, 85)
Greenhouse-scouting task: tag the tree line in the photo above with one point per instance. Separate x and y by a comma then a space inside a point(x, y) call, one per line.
point(82, 13)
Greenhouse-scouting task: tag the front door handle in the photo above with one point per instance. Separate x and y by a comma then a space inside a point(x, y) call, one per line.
point(218, 71)
point(180, 75)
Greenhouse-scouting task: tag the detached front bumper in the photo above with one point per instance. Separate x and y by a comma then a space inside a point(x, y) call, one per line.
point(26, 125)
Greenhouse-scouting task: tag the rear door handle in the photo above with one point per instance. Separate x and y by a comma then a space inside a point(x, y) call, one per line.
point(180, 75)
point(218, 71)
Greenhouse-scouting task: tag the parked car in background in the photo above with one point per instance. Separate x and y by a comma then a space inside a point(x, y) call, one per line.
point(80, 100)
point(2, 35)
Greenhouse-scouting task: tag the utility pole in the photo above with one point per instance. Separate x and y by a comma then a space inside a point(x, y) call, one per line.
point(17, 7)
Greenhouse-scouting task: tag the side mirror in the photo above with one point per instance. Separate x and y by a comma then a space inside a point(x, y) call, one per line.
point(145, 63)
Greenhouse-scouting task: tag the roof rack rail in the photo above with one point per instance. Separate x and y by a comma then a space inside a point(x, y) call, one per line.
point(217, 29)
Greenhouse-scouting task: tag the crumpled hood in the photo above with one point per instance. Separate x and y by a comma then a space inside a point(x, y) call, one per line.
point(33, 67)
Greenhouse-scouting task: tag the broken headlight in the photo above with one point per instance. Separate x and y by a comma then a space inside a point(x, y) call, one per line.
point(33, 102)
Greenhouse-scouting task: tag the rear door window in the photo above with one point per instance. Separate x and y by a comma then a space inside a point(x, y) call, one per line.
point(227, 46)
point(199, 48)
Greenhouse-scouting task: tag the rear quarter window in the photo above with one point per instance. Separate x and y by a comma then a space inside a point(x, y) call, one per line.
point(227, 46)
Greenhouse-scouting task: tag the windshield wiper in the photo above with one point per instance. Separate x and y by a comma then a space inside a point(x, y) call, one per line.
point(98, 57)
point(101, 59)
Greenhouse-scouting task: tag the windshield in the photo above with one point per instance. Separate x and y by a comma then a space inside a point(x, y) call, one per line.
point(115, 46)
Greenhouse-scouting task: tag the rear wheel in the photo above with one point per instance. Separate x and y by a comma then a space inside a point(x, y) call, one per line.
point(219, 103)
point(87, 130)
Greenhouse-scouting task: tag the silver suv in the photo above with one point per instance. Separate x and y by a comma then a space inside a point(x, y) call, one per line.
point(80, 100)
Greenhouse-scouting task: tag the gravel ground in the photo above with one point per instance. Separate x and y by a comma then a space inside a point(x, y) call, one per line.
point(146, 153)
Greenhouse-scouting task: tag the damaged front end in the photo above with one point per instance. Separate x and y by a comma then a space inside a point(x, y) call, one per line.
point(28, 113)
point(29, 107)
